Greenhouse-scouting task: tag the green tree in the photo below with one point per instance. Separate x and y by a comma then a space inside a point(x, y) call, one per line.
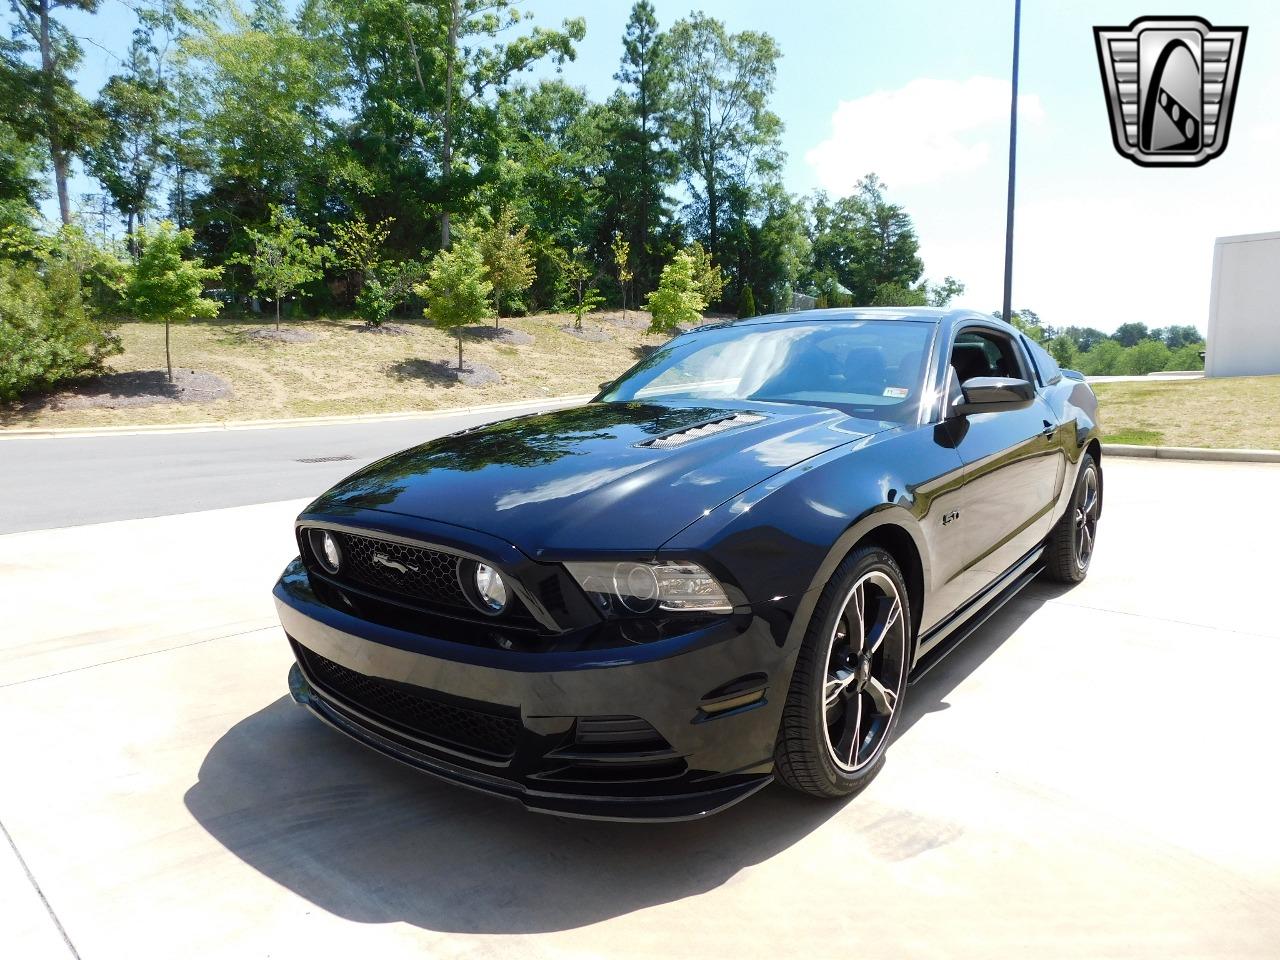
point(678, 301)
point(386, 286)
point(133, 111)
point(865, 240)
point(641, 165)
point(621, 250)
point(706, 273)
point(896, 295)
point(1063, 350)
point(1131, 334)
point(63, 117)
point(581, 273)
point(504, 247)
point(1186, 357)
point(357, 247)
point(1146, 356)
point(722, 127)
point(271, 87)
point(284, 257)
point(1103, 360)
point(747, 304)
point(456, 290)
point(164, 286)
point(943, 293)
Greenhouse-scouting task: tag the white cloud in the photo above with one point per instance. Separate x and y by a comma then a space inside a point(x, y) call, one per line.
point(921, 133)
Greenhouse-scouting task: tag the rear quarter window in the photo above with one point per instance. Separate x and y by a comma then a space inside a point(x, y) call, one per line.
point(1047, 368)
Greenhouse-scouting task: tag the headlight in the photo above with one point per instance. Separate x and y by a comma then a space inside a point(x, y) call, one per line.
point(628, 587)
point(491, 588)
point(324, 545)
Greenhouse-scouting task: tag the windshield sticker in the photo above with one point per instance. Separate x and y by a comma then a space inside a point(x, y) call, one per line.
point(896, 392)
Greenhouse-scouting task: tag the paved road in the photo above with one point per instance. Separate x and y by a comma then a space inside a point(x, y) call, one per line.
point(64, 481)
point(1091, 775)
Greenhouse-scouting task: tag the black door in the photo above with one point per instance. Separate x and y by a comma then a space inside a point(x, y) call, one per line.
point(1013, 462)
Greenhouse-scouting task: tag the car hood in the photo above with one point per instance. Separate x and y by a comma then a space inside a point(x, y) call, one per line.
point(587, 479)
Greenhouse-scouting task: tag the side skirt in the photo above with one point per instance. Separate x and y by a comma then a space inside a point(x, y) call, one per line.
point(957, 628)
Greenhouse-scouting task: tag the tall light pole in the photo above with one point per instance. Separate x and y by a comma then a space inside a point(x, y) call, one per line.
point(1007, 312)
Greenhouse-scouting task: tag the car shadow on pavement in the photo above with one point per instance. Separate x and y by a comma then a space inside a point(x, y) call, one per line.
point(372, 841)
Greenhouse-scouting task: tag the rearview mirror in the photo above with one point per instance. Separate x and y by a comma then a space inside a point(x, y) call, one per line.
point(993, 394)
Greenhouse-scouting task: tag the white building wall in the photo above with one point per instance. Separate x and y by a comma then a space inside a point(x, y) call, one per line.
point(1244, 307)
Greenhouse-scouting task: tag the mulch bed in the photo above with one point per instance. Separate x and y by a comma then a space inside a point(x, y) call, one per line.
point(136, 388)
point(446, 372)
point(587, 333)
point(515, 338)
point(632, 321)
point(386, 330)
point(281, 336)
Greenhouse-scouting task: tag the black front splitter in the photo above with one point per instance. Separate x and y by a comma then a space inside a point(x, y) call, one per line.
point(685, 806)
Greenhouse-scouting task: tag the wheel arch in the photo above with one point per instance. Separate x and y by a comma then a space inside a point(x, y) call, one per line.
point(894, 529)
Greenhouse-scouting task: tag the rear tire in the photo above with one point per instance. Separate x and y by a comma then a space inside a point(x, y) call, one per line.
point(1070, 547)
point(849, 680)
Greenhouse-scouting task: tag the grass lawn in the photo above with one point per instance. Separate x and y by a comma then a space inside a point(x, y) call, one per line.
point(1236, 412)
point(346, 370)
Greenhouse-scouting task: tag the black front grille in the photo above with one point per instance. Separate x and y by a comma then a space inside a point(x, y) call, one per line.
point(415, 711)
point(427, 574)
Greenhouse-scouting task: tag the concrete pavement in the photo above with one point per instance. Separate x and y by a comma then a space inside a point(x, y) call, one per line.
point(1091, 775)
point(62, 481)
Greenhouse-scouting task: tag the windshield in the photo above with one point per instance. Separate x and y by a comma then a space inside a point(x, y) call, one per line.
point(868, 368)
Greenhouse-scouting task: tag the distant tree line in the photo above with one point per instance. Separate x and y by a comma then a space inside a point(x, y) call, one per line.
point(410, 118)
point(1133, 350)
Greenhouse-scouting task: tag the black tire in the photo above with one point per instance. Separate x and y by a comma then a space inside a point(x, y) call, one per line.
point(806, 757)
point(1071, 544)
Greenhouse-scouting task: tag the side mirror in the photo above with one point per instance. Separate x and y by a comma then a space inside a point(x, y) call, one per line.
point(606, 385)
point(993, 395)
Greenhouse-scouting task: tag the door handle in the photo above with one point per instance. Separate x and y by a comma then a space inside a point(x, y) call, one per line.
point(1049, 429)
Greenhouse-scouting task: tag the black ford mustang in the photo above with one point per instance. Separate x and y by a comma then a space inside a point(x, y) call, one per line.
point(723, 569)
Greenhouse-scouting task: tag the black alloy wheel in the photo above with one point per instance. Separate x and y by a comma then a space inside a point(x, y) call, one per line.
point(1071, 544)
point(850, 677)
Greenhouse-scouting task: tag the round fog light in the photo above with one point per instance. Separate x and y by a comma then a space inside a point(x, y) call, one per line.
point(325, 546)
point(491, 588)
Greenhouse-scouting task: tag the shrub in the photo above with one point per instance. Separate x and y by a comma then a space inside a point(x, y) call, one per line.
point(747, 303)
point(48, 333)
point(679, 300)
point(1144, 357)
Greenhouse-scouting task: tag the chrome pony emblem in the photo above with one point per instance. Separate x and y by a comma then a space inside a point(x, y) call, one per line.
point(1170, 84)
point(396, 565)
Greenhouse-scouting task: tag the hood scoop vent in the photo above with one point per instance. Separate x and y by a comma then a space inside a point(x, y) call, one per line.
point(690, 434)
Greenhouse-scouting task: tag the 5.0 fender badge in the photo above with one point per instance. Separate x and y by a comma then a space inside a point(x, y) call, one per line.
point(1170, 84)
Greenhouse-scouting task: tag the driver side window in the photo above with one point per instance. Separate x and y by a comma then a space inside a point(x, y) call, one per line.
point(982, 353)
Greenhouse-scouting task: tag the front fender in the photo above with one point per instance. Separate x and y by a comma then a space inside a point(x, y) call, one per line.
point(784, 537)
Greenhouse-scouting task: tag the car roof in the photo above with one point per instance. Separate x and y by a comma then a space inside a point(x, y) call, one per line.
point(935, 315)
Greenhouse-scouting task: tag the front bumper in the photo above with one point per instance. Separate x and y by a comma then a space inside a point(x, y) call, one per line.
point(710, 700)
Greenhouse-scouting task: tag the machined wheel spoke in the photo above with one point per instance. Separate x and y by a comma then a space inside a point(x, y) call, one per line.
point(836, 686)
point(881, 696)
point(855, 736)
point(895, 612)
point(858, 603)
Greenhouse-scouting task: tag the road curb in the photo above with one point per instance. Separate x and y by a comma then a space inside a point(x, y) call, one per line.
point(1191, 453)
point(45, 433)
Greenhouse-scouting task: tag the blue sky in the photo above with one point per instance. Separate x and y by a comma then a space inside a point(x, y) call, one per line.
point(917, 90)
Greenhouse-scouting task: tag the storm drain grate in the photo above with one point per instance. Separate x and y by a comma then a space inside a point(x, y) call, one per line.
point(325, 459)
